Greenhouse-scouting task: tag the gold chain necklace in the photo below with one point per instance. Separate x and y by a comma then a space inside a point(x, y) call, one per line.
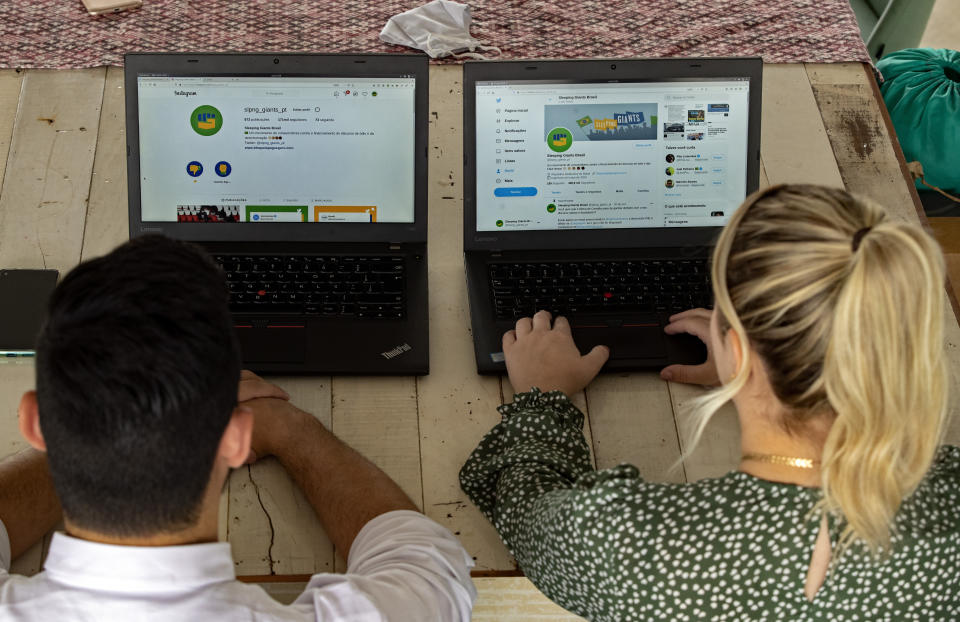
point(798, 463)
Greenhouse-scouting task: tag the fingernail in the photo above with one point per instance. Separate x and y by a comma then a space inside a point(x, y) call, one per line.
point(666, 375)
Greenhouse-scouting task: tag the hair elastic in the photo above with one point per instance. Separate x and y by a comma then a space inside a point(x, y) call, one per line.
point(858, 237)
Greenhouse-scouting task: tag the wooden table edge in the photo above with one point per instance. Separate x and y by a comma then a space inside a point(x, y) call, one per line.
point(902, 161)
point(305, 578)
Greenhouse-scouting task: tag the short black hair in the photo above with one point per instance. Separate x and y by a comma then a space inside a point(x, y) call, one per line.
point(137, 373)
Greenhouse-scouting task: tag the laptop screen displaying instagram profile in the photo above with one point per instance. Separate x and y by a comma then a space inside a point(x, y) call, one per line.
point(610, 155)
point(276, 149)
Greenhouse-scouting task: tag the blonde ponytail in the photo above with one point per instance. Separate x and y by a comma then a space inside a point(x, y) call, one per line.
point(886, 379)
point(852, 330)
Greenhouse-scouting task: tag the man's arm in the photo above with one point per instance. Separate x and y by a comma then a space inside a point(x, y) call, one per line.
point(29, 507)
point(400, 564)
point(345, 489)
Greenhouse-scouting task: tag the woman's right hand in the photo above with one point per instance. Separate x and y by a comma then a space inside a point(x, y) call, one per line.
point(697, 323)
point(544, 356)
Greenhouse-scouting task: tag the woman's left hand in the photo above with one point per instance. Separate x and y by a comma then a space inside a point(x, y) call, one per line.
point(697, 323)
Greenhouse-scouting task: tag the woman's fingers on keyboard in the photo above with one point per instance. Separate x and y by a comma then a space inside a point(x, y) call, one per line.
point(695, 325)
point(699, 312)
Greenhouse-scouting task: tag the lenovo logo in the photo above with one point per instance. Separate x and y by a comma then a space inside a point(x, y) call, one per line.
point(400, 349)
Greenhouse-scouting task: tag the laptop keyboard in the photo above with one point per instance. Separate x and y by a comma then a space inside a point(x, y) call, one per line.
point(334, 286)
point(571, 288)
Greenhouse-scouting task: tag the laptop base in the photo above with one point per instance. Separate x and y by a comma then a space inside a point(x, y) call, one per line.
point(636, 340)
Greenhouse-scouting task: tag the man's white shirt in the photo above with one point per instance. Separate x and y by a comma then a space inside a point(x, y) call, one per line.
point(402, 566)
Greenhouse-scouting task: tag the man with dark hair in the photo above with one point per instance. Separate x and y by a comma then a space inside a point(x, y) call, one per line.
point(140, 412)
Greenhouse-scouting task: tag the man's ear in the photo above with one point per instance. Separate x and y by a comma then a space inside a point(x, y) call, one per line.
point(29, 416)
point(237, 436)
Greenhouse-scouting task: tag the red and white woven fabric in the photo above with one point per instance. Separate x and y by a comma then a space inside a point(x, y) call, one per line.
point(59, 34)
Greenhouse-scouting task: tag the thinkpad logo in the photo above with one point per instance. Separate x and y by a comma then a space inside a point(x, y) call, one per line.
point(400, 349)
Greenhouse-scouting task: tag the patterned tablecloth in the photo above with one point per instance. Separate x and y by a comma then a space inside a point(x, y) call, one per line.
point(60, 34)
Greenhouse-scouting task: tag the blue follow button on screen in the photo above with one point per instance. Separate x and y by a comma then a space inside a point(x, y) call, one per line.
point(524, 191)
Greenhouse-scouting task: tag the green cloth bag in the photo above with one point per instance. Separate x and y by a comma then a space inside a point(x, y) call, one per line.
point(922, 91)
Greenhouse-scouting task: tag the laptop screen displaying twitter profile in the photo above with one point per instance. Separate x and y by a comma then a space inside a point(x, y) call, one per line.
point(553, 156)
point(276, 149)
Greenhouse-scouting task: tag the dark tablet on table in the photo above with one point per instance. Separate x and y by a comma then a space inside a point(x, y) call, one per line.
point(23, 305)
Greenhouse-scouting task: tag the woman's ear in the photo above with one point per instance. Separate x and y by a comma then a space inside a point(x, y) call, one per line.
point(736, 349)
point(29, 418)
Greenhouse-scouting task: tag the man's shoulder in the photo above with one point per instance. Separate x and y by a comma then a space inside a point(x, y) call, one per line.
point(402, 564)
point(39, 597)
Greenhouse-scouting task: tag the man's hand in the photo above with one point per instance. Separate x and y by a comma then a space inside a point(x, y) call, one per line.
point(253, 386)
point(697, 323)
point(273, 416)
point(345, 489)
point(545, 357)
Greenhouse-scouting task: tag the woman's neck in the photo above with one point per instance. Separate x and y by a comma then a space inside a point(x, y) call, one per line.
point(762, 433)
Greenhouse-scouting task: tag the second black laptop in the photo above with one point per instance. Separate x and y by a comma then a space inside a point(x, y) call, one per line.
point(594, 190)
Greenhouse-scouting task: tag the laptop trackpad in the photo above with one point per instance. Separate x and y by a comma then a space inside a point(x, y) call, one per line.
point(285, 344)
point(628, 341)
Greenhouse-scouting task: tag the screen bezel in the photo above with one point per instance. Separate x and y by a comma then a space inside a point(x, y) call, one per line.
point(293, 65)
point(603, 71)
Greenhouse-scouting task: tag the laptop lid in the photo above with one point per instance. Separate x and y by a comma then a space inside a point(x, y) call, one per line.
point(277, 147)
point(607, 153)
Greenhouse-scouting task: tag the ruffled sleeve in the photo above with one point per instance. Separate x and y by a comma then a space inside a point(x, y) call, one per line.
point(537, 447)
point(533, 478)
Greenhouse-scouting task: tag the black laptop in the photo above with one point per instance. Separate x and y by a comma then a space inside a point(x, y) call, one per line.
point(595, 189)
point(304, 176)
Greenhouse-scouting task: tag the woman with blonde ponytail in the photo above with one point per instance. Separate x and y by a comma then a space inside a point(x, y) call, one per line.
point(827, 335)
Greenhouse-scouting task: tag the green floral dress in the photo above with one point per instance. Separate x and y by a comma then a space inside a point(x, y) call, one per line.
point(610, 546)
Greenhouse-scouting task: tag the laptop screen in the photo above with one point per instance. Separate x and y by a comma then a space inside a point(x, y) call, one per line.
point(276, 149)
point(602, 155)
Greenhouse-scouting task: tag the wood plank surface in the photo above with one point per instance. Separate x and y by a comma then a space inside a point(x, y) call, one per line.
point(378, 417)
point(272, 529)
point(106, 224)
point(47, 182)
point(499, 599)
point(793, 140)
point(859, 140)
point(283, 591)
point(457, 407)
point(515, 599)
point(11, 82)
point(633, 422)
point(718, 451)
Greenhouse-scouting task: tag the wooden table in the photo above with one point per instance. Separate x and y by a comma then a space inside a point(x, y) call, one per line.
point(63, 200)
